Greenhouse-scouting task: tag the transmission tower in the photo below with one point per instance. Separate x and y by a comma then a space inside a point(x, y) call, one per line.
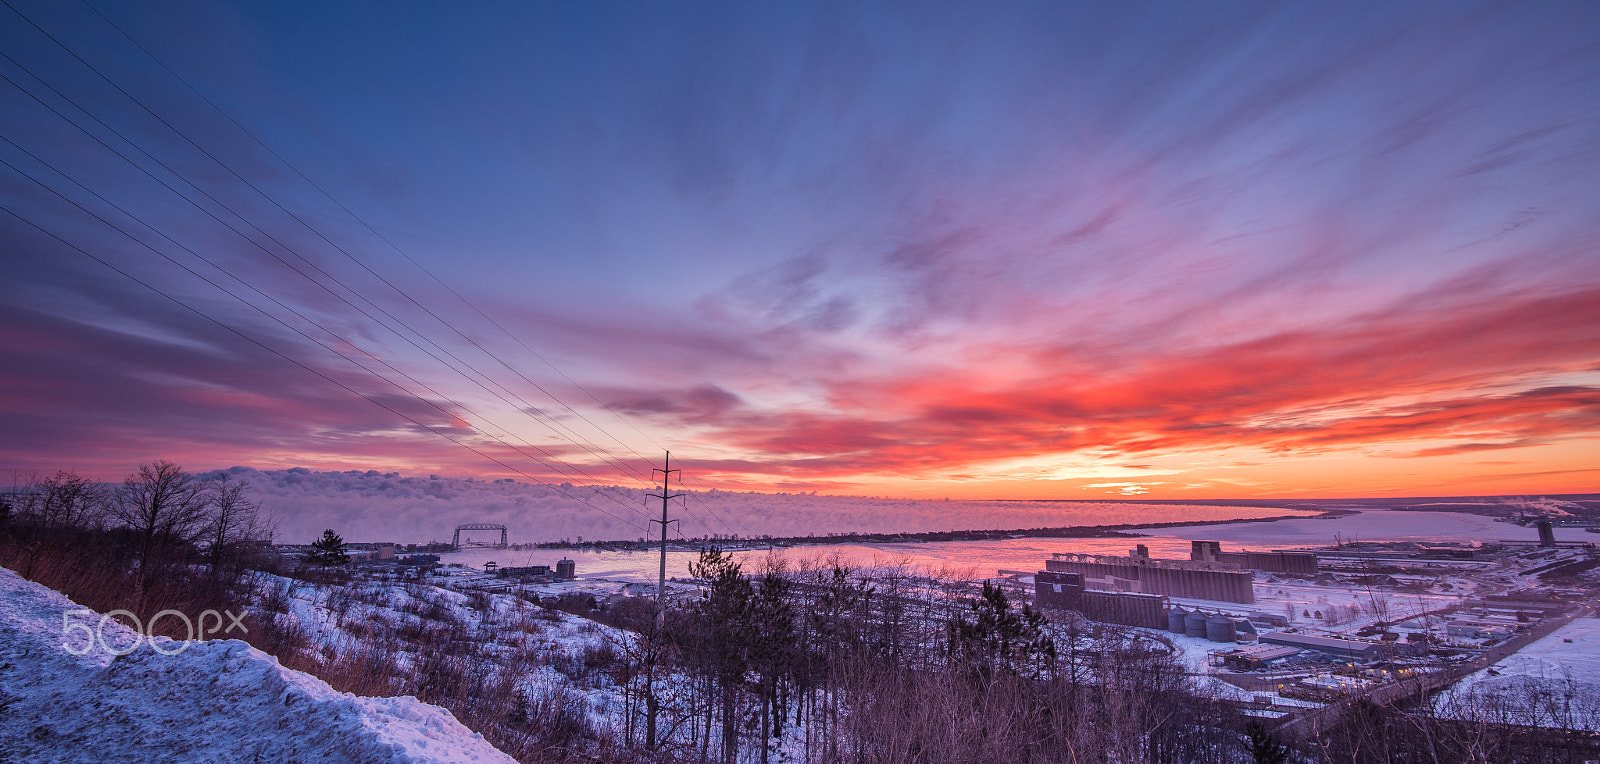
point(665, 496)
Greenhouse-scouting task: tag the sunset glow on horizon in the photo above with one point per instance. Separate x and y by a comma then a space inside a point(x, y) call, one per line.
point(1053, 251)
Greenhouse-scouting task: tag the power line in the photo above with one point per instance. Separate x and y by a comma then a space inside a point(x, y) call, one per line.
point(709, 510)
point(527, 409)
point(284, 246)
point(269, 315)
point(574, 439)
point(557, 466)
point(286, 357)
point(665, 496)
point(386, 240)
point(213, 216)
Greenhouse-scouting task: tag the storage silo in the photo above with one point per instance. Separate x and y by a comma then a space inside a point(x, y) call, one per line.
point(1175, 619)
point(1219, 628)
point(566, 568)
point(1194, 624)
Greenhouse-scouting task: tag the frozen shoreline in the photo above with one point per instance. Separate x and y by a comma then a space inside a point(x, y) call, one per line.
point(986, 557)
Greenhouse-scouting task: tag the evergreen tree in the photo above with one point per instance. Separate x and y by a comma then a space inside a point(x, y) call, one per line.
point(1264, 747)
point(328, 551)
point(773, 649)
point(994, 635)
point(725, 634)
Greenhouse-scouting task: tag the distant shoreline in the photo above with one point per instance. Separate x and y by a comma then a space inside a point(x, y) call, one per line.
point(1120, 530)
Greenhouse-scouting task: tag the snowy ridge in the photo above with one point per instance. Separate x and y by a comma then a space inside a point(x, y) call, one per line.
point(218, 701)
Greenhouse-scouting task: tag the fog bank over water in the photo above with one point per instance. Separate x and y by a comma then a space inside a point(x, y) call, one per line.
point(983, 559)
point(374, 506)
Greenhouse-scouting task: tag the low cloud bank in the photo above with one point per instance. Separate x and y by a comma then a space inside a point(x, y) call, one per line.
point(373, 506)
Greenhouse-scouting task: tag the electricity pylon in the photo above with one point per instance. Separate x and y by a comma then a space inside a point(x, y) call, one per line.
point(664, 496)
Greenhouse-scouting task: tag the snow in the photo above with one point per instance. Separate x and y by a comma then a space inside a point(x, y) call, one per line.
point(545, 648)
point(219, 700)
point(1366, 525)
point(983, 558)
point(1345, 608)
point(1547, 672)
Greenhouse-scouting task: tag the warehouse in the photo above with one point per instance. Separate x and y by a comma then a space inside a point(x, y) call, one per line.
point(1349, 649)
point(1172, 578)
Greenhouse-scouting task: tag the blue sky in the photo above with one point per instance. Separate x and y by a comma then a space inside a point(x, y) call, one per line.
point(1045, 250)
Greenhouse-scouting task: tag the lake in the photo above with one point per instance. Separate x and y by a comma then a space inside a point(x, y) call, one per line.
point(983, 559)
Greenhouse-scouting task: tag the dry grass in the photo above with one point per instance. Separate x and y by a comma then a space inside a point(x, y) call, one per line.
point(430, 652)
point(95, 569)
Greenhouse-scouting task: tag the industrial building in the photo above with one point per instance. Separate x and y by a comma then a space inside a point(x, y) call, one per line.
point(1350, 649)
point(1277, 620)
point(1173, 578)
point(1276, 561)
point(1477, 630)
point(1066, 591)
point(1255, 657)
point(378, 553)
point(565, 569)
point(520, 572)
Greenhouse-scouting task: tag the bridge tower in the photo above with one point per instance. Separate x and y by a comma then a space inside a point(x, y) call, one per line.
point(455, 541)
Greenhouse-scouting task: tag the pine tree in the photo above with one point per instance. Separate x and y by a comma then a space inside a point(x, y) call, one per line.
point(329, 551)
point(726, 633)
point(1015, 641)
point(1264, 748)
point(773, 649)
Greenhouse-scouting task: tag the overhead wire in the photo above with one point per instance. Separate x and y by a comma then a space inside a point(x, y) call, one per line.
point(556, 466)
point(576, 440)
point(403, 336)
point(266, 250)
point(425, 270)
point(710, 510)
point(527, 408)
point(285, 356)
point(386, 240)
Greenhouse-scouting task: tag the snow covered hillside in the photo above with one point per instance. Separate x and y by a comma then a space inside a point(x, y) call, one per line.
point(216, 701)
point(1554, 682)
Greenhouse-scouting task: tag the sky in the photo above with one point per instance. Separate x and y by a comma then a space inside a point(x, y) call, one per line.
point(1056, 250)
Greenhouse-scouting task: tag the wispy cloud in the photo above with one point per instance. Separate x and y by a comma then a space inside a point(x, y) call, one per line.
point(837, 248)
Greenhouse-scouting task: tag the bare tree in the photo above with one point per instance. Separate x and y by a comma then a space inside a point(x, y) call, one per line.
point(65, 499)
point(234, 518)
point(163, 505)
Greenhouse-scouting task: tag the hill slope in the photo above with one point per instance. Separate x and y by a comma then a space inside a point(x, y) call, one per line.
point(217, 701)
